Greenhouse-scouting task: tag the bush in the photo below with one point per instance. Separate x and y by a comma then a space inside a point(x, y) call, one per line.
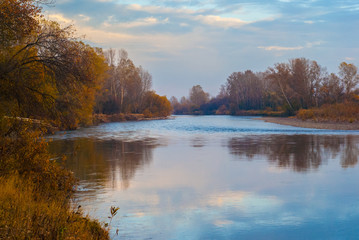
point(25, 214)
point(35, 191)
point(338, 112)
point(305, 114)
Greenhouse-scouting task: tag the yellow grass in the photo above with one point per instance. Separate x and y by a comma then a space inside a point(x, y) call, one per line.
point(339, 112)
point(24, 214)
point(35, 191)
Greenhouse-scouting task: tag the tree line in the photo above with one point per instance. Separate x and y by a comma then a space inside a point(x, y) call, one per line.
point(127, 89)
point(284, 88)
point(47, 73)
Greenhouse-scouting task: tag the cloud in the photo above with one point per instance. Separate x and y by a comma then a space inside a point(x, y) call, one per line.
point(58, 17)
point(222, 223)
point(150, 21)
point(281, 48)
point(219, 21)
point(84, 18)
point(165, 45)
point(353, 7)
point(349, 58)
point(159, 9)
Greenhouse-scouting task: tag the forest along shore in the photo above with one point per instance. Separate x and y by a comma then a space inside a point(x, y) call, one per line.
point(295, 122)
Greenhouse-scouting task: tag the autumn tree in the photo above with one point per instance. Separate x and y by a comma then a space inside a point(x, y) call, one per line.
point(348, 76)
point(156, 106)
point(18, 19)
point(197, 97)
point(41, 71)
point(278, 76)
point(305, 80)
point(126, 86)
point(245, 90)
point(331, 90)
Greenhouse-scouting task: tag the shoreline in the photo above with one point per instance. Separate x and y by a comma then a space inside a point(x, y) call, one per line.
point(120, 117)
point(295, 122)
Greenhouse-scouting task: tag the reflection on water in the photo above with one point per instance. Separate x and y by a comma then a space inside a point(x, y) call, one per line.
point(217, 178)
point(297, 152)
point(105, 161)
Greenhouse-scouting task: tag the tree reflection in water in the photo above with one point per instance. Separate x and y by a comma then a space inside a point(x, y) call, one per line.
point(103, 162)
point(300, 153)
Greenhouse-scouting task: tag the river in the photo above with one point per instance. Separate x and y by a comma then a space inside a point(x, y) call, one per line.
point(216, 177)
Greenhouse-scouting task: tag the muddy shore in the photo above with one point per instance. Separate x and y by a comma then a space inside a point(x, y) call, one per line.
point(311, 123)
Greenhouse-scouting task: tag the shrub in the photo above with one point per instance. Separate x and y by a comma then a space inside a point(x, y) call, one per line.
point(343, 112)
point(35, 191)
point(24, 214)
point(305, 114)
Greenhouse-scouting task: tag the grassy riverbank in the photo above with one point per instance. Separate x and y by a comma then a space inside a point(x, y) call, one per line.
point(36, 192)
point(121, 117)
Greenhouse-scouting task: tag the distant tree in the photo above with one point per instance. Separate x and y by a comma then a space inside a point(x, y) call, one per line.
point(349, 77)
point(245, 90)
point(331, 90)
point(146, 83)
point(278, 76)
point(297, 83)
point(197, 96)
point(125, 87)
point(305, 80)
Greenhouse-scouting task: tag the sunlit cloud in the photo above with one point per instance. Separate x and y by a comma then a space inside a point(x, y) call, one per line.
point(218, 21)
point(281, 48)
point(159, 9)
point(84, 17)
point(350, 59)
point(150, 21)
point(309, 22)
point(222, 223)
point(60, 18)
point(166, 43)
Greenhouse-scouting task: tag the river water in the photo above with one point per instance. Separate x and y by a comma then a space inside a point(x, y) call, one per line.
point(216, 177)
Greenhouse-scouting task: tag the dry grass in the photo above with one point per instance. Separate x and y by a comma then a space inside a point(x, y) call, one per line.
point(35, 192)
point(24, 214)
point(339, 112)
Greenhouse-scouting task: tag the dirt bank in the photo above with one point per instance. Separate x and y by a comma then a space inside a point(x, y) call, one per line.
point(311, 123)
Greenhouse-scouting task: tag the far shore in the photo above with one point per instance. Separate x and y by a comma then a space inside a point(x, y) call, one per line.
point(120, 117)
point(295, 122)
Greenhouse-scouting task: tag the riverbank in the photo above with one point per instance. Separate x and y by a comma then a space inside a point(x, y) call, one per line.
point(120, 117)
point(37, 193)
point(295, 122)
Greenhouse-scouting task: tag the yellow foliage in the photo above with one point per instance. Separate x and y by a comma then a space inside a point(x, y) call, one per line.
point(24, 214)
point(305, 114)
point(340, 112)
point(35, 191)
point(156, 106)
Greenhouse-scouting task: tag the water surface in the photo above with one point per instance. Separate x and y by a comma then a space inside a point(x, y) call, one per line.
point(216, 177)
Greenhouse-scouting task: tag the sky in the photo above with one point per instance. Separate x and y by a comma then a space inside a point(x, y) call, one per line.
point(183, 43)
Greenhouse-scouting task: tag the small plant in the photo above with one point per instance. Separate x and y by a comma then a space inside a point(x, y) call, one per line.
point(113, 212)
